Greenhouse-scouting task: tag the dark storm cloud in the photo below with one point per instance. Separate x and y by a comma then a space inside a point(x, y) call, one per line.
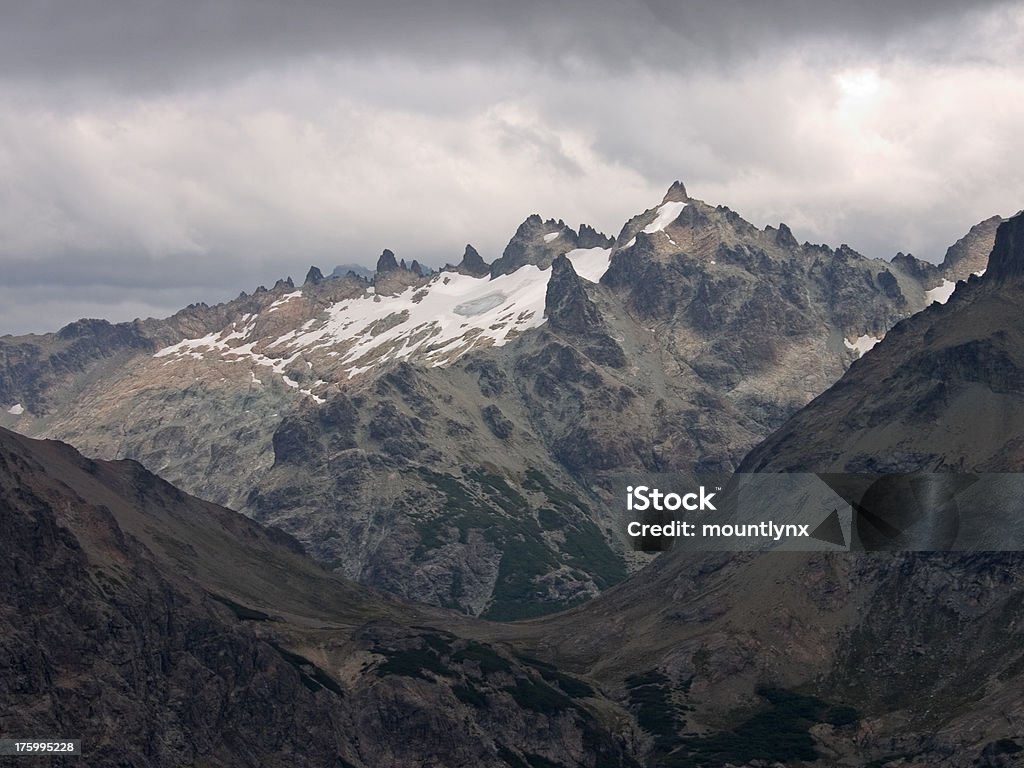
point(162, 42)
point(158, 153)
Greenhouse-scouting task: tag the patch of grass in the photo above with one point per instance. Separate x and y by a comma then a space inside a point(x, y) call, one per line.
point(650, 695)
point(778, 733)
point(539, 697)
point(549, 519)
point(571, 686)
point(469, 695)
point(510, 757)
point(486, 657)
point(411, 662)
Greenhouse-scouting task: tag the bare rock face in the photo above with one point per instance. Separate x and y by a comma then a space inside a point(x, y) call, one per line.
point(472, 264)
point(969, 255)
point(566, 305)
point(1007, 259)
point(314, 276)
point(387, 262)
point(589, 237)
point(536, 242)
point(896, 400)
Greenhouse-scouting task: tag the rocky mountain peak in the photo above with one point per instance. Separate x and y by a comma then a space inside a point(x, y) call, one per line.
point(970, 253)
point(784, 237)
point(590, 238)
point(1007, 259)
point(472, 263)
point(284, 284)
point(417, 269)
point(566, 304)
point(676, 194)
point(535, 242)
point(387, 262)
point(314, 276)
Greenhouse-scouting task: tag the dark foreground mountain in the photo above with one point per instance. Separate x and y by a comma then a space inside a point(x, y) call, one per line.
point(165, 631)
point(453, 438)
point(880, 659)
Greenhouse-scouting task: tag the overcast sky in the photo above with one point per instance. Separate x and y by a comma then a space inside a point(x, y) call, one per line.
point(157, 153)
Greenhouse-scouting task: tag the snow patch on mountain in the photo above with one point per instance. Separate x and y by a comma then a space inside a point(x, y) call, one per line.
point(16, 410)
point(862, 344)
point(287, 297)
point(437, 322)
point(667, 213)
point(941, 293)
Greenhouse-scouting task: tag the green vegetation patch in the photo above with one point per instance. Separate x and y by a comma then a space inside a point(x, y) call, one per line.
point(650, 695)
point(470, 695)
point(485, 501)
point(411, 662)
point(539, 697)
point(571, 686)
point(486, 657)
point(778, 733)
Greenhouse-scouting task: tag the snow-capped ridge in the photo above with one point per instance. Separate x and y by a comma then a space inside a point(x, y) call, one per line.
point(436, 321)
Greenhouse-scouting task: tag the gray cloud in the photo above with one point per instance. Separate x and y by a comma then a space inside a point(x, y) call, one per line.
point(156, 155)
point(160, 42)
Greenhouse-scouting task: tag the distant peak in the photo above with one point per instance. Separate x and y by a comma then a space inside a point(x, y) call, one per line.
point(591, 238)
point(473, 264)
point(676, 194)
point(387, 262)
point(314, 276)
point(784, 237)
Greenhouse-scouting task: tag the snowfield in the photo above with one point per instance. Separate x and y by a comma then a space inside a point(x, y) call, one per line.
point(437, 322)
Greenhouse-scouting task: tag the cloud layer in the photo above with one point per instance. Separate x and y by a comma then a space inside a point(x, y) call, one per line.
point(187, 153)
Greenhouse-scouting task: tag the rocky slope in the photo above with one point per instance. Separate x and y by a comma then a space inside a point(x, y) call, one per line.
point(165, 631)
point(945, 392)
point(880, 659)
point(454, 437)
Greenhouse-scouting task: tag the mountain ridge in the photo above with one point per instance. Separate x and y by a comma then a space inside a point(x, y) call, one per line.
point(386, 423)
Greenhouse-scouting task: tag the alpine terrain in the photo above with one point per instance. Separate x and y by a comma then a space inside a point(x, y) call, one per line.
point(452, 437)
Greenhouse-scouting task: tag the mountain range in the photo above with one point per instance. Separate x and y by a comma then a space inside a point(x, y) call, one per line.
point(211, 640)
point(455, 437)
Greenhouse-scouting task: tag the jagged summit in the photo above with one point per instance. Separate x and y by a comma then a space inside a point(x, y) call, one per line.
point(676, 194)
point(535, 242)
point(387, 262)
point(473, 264)
point(970, 253)
point(1007, 259)
point(590, 238)
point(566, 304)
point(314, 276)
